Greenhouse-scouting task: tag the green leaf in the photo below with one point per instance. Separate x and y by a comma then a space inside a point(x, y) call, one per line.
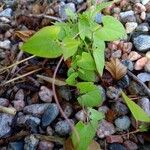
point(43, 43)
point(112, 30)
point(138, 113)
point(89, 130)
point(70, 47)
point(99, 60)
point(97, 43)
point(71, 80)
point(91, 96)
point(70, 14)
point(86, 62)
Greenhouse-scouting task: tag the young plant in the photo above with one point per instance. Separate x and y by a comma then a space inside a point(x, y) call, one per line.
point(83, 41)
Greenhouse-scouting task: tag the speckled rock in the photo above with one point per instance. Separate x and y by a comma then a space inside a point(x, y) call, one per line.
point(144, 27)
point(49, 114)
point(5, 124)
point(15, 146)
point(105, 129)
point(128, 63)
point(102, 92)
point(134, 56)
point(130, 145)
point(128, 16)
point(114, 139)
point(45, 145)
point(116, 146)
point(6, 13)
point(142, 43)
point(144, 76)
point(5, 44)
point(4, 102)
point(124, 82)
point(122, 123)
point(103, 109)
point(80, 115)
point(139, 65)
point(130, 26)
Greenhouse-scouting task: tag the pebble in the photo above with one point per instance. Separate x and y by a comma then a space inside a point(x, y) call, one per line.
point(144, 2)
point(31, 142)
point(18, 104)
point(144, 27)
point(63, 128)
point(147, 67)
point(19, 95)
point(113, 92)
point(45, 145)
point(138, 7)
point(6, 13)
point(124, 82)
point(144, 77)
point(98, 18)
point(45, 94)
point(4, 102)
point(120, 108)
point(102, 92)
point(5, 44)
point(103, 109)
point(49, 130)
point(65, 93)
point(139, 65)
point(105, 129)
point(68, 110)
point(134, 56)
point(130, 26)
point(15, 146)
point(143, 15)
point(81, 115)
point(35, 109)
point(49, 115)
point(144, 103)
point(116, 54)
point(142, 43)
point(128, 16)
point(122, 123)
point(114, 139)
point(80, 1)
point(116, 146)
point(5, 124)
point(148, 55)
point(128, 63)
point(130, 145)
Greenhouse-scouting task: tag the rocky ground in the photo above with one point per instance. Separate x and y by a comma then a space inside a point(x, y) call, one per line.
point(37, 114)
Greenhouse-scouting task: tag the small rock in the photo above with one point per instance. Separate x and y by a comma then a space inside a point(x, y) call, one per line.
point(4, 102)
point(123, 123)
point(68, 110)
point(130, 26)
point(98, 18)
point(105, 129)
point(19, 95)
point(147, 67)
point(103, 109)
point(134, 56)
point(5, 44)
point(144, 77)
point(116, 54)
point(31, 142)
point(144, 27)
point(15, 146)
point(128, 63)
point(102, 92)
point(120, 108)
point(65, 93)
point(142, 42)
point(45, 94)
point(35, 109)
point(81, 115)
point(139, 65)
point(114, 139)
point(144, 103)
point(6, 13)
point(144, 2)
point(113, 92)
point(116, 146)
point(18, 104)
point(45, 145)
point(124, 82)
point(49, 115)
point(80, 1)
point(143, 15)
point(63, 128)
point(49, 130)
point(138, 7)
point(128, 16)
point(5, 124)
point(130, 145)
point(148, 55)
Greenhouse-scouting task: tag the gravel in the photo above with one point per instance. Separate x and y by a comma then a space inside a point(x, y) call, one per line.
point(144, 76)
point(6, 13)
point(116, 146)
point(5, 44)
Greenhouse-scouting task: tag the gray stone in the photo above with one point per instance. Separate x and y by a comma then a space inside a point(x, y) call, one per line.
point(81, 115)
point(68, 110)
point(80, 1)
point(102, 92)
point(5, 44)
point(63, 128)
point(98, 18)
point(6, 13)
point(130, 145)
point(105, 129)
point(19, 95)
point(117, 54)
point(35, 109)
point(144, 76)
point(4, 102)
point(128, 63)
point(124, 82)
point(122, 123)
point(116, 146)
point(50, 114)
point(103, 109)
point(31, 143)
point(5, 124)
point(144, 27)
point(15, 146)
point(45, 145)
point(145, 104)
point(142, 42)
point(128, 16)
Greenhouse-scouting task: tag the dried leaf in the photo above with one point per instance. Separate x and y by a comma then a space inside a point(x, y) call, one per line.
point(24, 35)
point(68, 144)
point(94, 146)
point(116, 68)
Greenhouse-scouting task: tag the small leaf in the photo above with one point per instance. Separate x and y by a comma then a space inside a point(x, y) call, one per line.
point(86, 62)
point(70, 47)
point(70, 14)
point(43, 43)
point(112, 30)
point(116, 68)
point(138, 113)
point(99, 60)
point(71, 80)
